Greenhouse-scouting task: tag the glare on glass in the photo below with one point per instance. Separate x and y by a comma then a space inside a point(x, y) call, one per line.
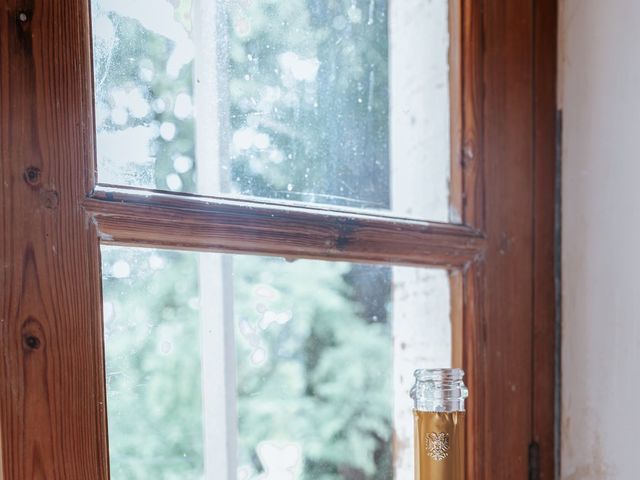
point(257, 368)
point(342, 102)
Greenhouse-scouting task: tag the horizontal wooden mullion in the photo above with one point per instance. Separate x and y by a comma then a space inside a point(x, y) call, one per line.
point(128, 216)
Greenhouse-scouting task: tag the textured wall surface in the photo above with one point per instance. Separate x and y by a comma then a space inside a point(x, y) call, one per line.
point(600, 97)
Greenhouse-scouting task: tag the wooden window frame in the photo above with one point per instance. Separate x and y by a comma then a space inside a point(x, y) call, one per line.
point(52, 386)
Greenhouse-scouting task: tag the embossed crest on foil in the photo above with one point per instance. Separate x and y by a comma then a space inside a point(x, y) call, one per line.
point(438, 445)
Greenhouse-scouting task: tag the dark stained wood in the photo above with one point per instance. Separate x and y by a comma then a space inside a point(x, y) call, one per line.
point(507, 286)
point(471, 147)
point(155, 219)
point(457, 315)
point(52, 417)
point(544, 317)
point(467, 184)
point(478, 377)
point(466, 87)
point(510, 160)
point(52, 373)
point(456, 98)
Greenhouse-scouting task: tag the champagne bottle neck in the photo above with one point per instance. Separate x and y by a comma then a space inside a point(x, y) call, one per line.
point(439, 390)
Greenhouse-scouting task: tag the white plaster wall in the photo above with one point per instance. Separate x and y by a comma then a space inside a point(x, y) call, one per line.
point(600, 96)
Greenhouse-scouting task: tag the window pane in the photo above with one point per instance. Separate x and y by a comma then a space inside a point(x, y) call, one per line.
point(342, 102)
point(265, 368)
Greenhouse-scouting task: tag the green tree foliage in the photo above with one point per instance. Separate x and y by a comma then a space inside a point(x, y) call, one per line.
point(322, 379)
point(153, 364)
point(325, 382)
point(328, 129)
point(310, 76)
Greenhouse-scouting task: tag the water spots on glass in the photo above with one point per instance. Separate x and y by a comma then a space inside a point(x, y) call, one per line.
point(119, 116)
point(372, 6)
point(244, 472)
point(354, 14)
point(270, 317)
point(372, 77)
point(300, 69)
point(108, 311)
point(258, 357)
point(250, 335)
point(194, 303)
point(146, 70)
point(120, 269)
point(182, 164)
point(166, 346)
point(158, 105)
point(280, 461)
point(302, 97)
point(261, 141)
point(339, 22)
point(167, 131)
point(156, 262)
point(266, 292)
point(182, 106)
point(242, 27)
point(174, 182)
point(307, 333)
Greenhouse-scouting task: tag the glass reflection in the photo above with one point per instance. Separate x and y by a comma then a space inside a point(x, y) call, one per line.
point(314, 380)
point(341, 102)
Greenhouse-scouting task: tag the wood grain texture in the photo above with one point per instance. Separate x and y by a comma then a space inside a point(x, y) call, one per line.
point(52, 391)
point(51, 369)
point(544, 313)
point(155, 219)
point(472, 110)
point(478, 377)
point(468, 174)
point(456, 316)
point(466, 86)
point(456, 98)
point(508, 272)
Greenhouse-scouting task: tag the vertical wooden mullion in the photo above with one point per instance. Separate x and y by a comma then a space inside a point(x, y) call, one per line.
point(457, 301)
point(52, 408)
point(472, 284)
point(471, 152)
point(544, 318)
point(456, 95)
point(507, 295)
point(477, 377)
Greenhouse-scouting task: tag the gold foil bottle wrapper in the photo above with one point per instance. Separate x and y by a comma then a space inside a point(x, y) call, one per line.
point(439, 445)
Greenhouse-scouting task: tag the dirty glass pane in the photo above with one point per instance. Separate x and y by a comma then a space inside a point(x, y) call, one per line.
point(266, 368)
point(337, 102)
